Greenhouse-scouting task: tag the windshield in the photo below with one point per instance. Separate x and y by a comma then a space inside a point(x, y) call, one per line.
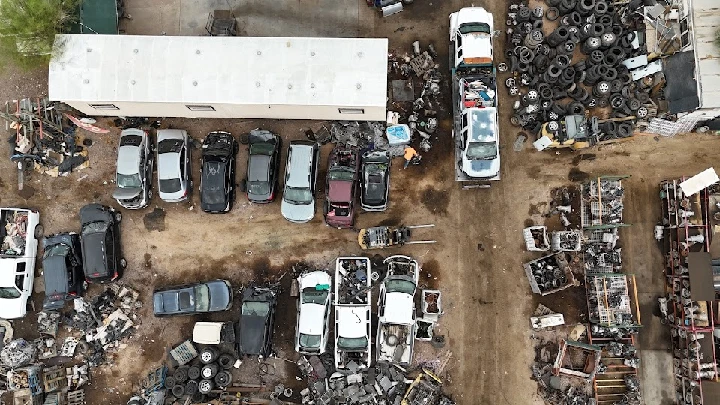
point(255, 308)
point(340, 174)
point(170, 146)
point(170, 185)
point(261, 149)
point(9, 292)
point(309, 341)
point(202, 298)
point(94, 227)
point(313, 296)
point(474, 27)
point(402, 286)
point(352, 343)
point(481, 150)
point(258, 187)
point(60, 249)
point(298, 195)
point(129, 180)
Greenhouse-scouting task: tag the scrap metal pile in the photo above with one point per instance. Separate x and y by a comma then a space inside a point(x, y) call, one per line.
point(574, 56)
point(13, 243)
point(105, 322)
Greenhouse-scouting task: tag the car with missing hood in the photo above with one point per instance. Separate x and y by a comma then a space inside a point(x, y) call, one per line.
point(62, 270)
point(217, 173)
point(262, 166)
point(173, 165)
point(100, 243)
point(298, 201)
point(133, 177)
point(313, 319)
point(480, 154)
point(339, 208)
point(375, 184)
point(188, 299)
point(257, 319)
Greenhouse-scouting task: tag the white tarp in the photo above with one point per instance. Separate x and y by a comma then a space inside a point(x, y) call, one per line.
point(700, 181)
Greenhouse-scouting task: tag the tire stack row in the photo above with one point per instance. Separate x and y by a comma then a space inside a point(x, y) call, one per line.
point(553, 81)
point(213, 372)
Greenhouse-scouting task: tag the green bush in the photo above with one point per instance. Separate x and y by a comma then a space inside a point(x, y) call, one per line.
point(28, 28)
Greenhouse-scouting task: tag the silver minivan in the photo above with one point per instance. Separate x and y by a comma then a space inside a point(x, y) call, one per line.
point(298, 201)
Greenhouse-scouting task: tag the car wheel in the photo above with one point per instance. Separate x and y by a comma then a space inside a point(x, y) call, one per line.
point(226, 360)
point(244, 139)
point(208, 355)
point(223, 378)
point(38, 232)
point(205, 386)
point(118, 216)
point(193, 372)
point(180, 375)
point(209, 371)
point(123, 263)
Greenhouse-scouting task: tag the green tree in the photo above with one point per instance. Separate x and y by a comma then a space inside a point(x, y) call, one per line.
point(28, 28)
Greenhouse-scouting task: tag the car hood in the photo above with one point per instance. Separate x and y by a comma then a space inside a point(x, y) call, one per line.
point(11, 308)
point(122, 193)
point(220, 295)
point(297, 213)
point(481, 168)
point(94, 213)
point(252, 334)
point(340, 191)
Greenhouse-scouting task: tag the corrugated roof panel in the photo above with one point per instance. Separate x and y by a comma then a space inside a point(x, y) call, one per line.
point(235, 70)
point(705, 20)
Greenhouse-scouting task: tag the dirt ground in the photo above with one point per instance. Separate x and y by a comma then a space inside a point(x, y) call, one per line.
point(476, 262)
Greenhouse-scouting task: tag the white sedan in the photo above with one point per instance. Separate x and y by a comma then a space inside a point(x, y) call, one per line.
point(313, 320)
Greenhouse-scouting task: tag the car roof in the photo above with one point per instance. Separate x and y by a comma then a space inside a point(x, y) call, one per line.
point(94, 258)
point(259, 168)
point(340, 190)
point(8, 269)
point(483, 125)
point(301, 157)
point(55, 275)
point(168, 166)
point(312, 319)
point(128, 159)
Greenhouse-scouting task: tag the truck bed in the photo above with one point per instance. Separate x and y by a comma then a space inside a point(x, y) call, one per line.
point(352, 281)
point(14, 225)
point(395, 343)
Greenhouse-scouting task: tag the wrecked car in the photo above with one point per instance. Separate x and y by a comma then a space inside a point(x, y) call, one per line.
point(262, 166)
point(213, 333)
point(479, 136)
point(339, 208)
point(572, 131)
point(352, 312)
point(217, 173)
point(19, 229)
point(188, 299)
point(298, 201)
point(375, 184)
point(62, 270)
point(133, 178)
point(100, 243)
point(313, 319)
point(396, 311)
point(257, 319)
point(173, 165)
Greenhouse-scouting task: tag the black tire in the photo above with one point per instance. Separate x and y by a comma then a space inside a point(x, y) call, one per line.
point(191, 387)
point(223, 378)
point(169, 382)
point(634, 104)
point(123, 263)
point(575, 108)
point(208, 355)
point(625, 129)
point(226, 361)
point(245, 139)
point(209, 370)
point(178, 390)
point(38, 231)
point(205, 386)
point(193, 372)
point(118, 216)
point(552, 13)
point(181, 375)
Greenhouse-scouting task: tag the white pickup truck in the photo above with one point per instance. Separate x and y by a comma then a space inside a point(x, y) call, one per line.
point(19, 232)
point(475, 113)
point(396, 311)
point(352, 312)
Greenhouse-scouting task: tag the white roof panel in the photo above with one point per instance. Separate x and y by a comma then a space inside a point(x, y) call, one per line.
point(234, 70)
point(700, 181)
point(705, 20)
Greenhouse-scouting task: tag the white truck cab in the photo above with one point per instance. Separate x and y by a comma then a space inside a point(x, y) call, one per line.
point(471, 34)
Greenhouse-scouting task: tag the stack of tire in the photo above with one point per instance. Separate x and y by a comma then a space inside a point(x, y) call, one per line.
point(550, 78)
point(196, 381)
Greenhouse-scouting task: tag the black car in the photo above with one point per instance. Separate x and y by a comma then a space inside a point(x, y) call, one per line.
point(100, 243)
point(375, 185)
point(210, 296)
point(257, 317)
point(262, 167)
point(62, 270)
point(217, 173)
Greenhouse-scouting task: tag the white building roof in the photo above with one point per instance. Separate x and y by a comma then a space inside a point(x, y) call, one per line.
point(233, 70)
point(705, 20)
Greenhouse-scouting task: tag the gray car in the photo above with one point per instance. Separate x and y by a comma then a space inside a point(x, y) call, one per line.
point(298, 202)
point(173, 159)
point(133, 178)
point(210, 296)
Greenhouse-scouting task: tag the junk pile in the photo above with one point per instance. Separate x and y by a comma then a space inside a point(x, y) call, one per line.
point(13, 243)
point(556, 388)
point(45, 138)
point(353, 287)
point(574, 56)
point(382, 384)
point(105, 321)
point(364, 135)
point(389, 7)
point(549, 274)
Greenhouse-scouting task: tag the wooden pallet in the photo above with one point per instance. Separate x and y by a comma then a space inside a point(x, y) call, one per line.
point(76, 397)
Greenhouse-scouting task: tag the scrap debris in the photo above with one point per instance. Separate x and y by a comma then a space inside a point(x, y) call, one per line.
point(13, 243)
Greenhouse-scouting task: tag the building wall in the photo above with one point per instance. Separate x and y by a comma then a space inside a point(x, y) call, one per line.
point(320, 112)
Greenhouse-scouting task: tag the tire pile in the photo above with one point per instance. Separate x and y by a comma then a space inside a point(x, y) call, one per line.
point(577, 67)
point(196, 381)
